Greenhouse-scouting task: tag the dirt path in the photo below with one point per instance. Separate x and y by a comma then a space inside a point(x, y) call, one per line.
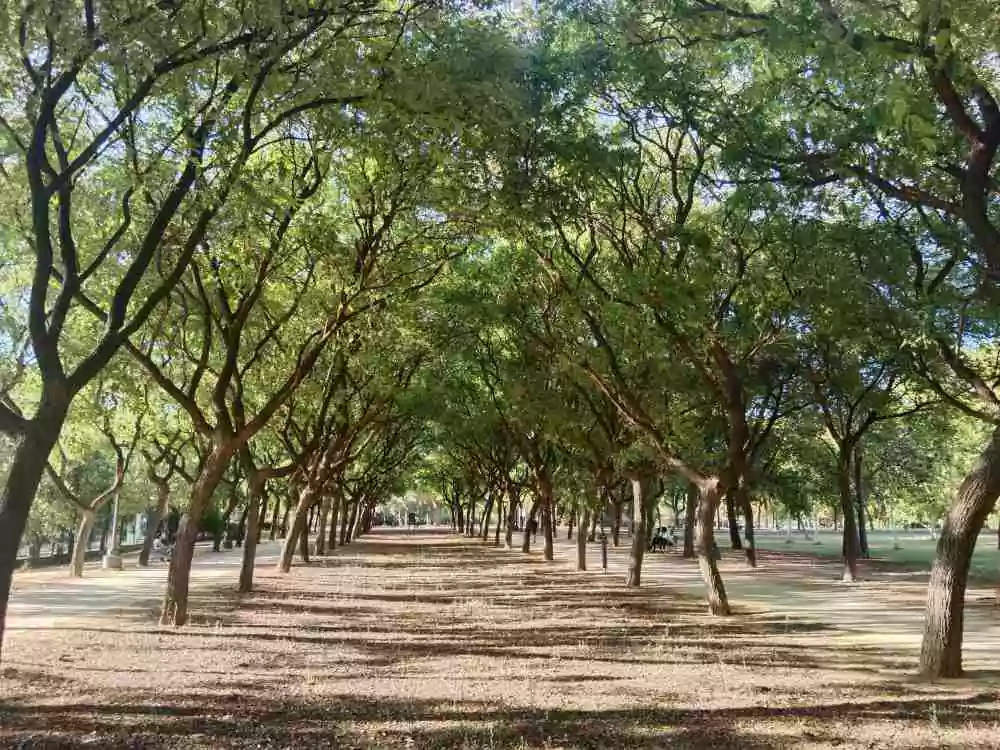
point(428, 641)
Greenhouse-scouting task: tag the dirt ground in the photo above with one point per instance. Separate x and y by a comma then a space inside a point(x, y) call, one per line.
point(431, 641)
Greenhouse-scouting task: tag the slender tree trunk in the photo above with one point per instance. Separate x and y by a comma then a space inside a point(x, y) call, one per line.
point(175, 599)
point(742, 499)
point(616, 526)
point(513, 499)
point(154, 515)
point(274, 519)
point(690, 515)
point(941, 651)
point(84, 528)
point(298, 529)
point(484, 524)
point(548, 524)
point(347, 522)
point(255, 495)
point(569, 525)
point(334, 521)
point(850, 543)
point(860, 503)
point(715, 591)
point(526, 542)
point(581, 538)
point(303, 539)
point(734, 525)
point(638, 534)
point(501, 516)
point(352, 521)
point(324, 513)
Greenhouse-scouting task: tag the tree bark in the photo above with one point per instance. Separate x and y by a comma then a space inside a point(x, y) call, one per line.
point(500, 521)
point(860, 504)
point(19, 491)
point(347, 530)
point(616, 526)
point(690, 514)
point(255, 494)
point(734, 524)
point(84, 528)
point(941, 650)
point(513, 498)
point(548, 530)
point(715, 591)
point(638, 534)
point(741, 498)
point(334, 521)
point(324, 513)
point(154, 515)
point(569, 525)
point(175, 599)
point(850, 543)
point(273, 534)
point(297, 530)
point(526, 542)
point(581, 538)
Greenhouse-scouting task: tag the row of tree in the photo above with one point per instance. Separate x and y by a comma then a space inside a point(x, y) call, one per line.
point(721, 250)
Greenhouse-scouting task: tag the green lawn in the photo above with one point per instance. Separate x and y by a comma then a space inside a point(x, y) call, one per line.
point(916, 548)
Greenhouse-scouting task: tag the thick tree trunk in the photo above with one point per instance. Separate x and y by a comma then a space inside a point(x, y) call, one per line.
point(638, 534)
point(715, 591)
point(734, 525)
point(850, 543)
point(299, 529)
point(860, 503)
point(526, 542)
point(175, 599)
point(581, 538)
point(255, 495)
point(154, 516)
point(941, 651)
point(742, 499)
point(690, 515)
point(334, 522)
point(84, 528)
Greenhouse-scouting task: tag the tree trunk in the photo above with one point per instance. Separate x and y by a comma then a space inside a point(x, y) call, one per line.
point(690, 514)
point(526, 542)
point(734, 525)
point(715, 591)
point(154, 516)
point(513, 498)
point(592, 536)
point(860, 504)
point(334, 522)
point(581, 538)
point(741, 498)
point(324, 512)
point(484, 524)
point(941, 650)
point(638, 534)
point(569, 525)
point(850, 544)
point(500, 521)
point(548, 524)
point(347, 531)
point(255, 494)
point(303, 538)
point(84, 528)
point(616, 526)
point(175, 599)
point(274, 519)
point(298, 529)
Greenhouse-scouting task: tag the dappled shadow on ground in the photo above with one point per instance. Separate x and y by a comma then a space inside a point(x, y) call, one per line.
point(428, 641)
